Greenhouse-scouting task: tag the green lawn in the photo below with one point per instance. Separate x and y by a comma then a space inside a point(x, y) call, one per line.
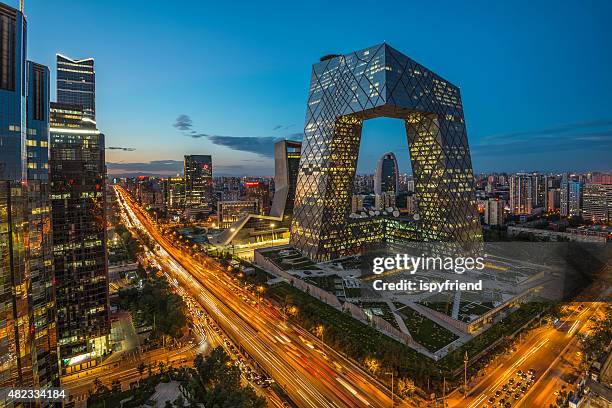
point(425, 331)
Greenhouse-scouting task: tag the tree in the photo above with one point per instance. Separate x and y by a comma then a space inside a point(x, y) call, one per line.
point(215, 382)
point(405, 387)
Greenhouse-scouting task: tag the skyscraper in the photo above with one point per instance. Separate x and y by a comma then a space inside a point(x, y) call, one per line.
point(77, 172)
point(198, 184)
point(39, 243)
point(76, 84)
point(27, 340)
point(375, 82)
point(386, 176)
point(287, 154)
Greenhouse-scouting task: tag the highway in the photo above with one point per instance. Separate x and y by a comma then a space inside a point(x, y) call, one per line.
point(540, 351)
point(310, 373)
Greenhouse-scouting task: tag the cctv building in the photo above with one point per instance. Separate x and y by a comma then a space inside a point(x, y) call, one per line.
point(379, 81)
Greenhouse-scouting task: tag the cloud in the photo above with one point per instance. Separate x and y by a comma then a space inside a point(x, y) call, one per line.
point(125, 149)
point(263, 146)
point(259, 145)
point(561, 147)
point(283, 127)
point(183, 123)
point(152, 167)
point(563, 131)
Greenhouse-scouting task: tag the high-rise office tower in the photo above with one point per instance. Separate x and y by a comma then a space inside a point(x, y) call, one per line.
point(198, 184)
point(174, 193)
point(40, 244)
point(76, 84)
point(386, 176)
point(346, 90)
point(287, 154)
point(597, 201)
point(78, 202)
point(494, 212)
point(27, 340)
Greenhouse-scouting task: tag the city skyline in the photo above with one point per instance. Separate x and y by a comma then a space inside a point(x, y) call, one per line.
point(495, 77)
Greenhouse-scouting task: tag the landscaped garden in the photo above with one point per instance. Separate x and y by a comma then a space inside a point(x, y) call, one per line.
point(425, 331)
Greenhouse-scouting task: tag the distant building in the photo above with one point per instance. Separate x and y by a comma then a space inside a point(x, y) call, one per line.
point(259, 191)
point(198, 184)
point(174, 193)
point(78, 201)
point(494, 212)
point(357, 203)
point(76, 84)
point(575, 190)
point(261, 228)
point(411, 205)
point(564, 195)
point(553, 199)
point(229, 212)
point(527, 191)
point(386, 177)
point(384, 200)
point(597, 202)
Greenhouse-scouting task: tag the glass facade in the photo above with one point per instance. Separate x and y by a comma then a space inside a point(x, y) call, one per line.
point(198, 183)
point(386, 178)
point(375, 82)
point(78, 202)
point(39, 245)
point(76, 84)
point(28, 348)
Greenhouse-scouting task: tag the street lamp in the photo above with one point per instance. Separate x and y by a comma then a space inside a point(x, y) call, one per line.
point(465, 362)
point(272, 225)
point(392, 394)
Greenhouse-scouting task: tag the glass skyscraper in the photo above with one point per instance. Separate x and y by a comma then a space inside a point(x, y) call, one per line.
point(386, 177)
point(76, 83)
point(198, 184)
point(375, 82)
point(27, 321)
point(78, 201)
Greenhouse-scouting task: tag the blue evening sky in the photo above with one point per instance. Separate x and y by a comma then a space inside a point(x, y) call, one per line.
point(535, 76)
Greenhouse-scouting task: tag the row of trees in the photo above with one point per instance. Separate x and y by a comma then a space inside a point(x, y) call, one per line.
point(214, 381)
point(155, 305)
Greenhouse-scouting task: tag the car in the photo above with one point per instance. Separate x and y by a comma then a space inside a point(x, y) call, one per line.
point(531, 372)
point(505, 387)
point(517, 396)
point(523, 389)
point(492, 400)
point(511, 381)
point(497, 393)
point(508, 405)
point(519, 373)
